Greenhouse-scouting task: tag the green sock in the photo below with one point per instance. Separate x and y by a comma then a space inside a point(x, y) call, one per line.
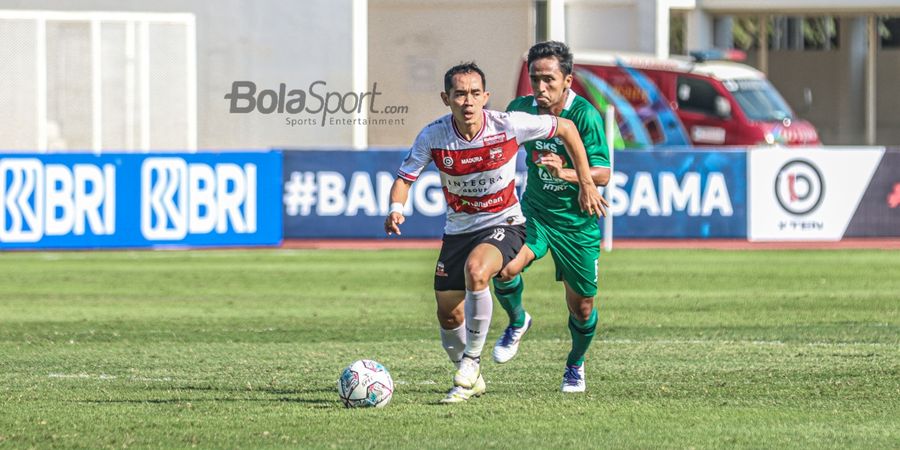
point(510, 296)
point(582, 335)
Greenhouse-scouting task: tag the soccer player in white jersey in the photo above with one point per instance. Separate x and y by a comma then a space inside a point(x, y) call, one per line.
point(475, 151)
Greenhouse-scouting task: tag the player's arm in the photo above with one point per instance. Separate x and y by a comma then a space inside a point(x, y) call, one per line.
point(554, 164)
point(518, 264)
point(399, 195)
point(418, 157)
point(590, 200)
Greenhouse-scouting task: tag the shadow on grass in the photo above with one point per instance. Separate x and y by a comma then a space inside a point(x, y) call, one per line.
point(310, 396)
point(316, 402)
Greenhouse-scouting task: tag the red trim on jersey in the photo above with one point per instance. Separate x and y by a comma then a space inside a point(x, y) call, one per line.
point(406, 176)
point(489, 203)
point(480, 132)
point(473, 160)
point(554, 127)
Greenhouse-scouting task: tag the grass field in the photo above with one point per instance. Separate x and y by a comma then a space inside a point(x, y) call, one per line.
point(242, 349)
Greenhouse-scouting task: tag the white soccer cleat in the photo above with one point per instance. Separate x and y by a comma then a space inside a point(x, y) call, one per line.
point(460, 394)
point(508, 345)
point(468, 372)
point(573, 379)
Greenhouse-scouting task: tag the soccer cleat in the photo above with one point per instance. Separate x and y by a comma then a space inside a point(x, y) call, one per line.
point(573, 379)
point(508, 345)
point(468, 372)
point(460, 394)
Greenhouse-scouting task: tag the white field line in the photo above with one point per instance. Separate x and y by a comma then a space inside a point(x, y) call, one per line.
point(103, 376)
point(758, 343)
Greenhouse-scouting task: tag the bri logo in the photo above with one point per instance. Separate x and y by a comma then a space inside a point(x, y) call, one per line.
point(178, 198)
point(38, 200)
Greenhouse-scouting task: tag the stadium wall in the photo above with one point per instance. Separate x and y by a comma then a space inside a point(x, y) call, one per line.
point(266, 42)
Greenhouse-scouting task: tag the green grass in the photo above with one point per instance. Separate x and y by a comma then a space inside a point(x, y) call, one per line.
point(242, 349)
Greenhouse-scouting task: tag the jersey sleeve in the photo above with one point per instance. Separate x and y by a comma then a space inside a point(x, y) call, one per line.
point(529, 127)
point(590, 127)
point(417, 159)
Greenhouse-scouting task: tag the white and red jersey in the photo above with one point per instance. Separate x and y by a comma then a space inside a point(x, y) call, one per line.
point(478, 176)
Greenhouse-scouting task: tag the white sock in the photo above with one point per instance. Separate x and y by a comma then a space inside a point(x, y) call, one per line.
point(454, 342)
point(479, 306)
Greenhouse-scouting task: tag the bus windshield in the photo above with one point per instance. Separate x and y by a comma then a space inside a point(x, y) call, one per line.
point(759, 100)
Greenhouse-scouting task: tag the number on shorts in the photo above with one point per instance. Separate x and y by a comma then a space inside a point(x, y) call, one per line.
point(499, 234)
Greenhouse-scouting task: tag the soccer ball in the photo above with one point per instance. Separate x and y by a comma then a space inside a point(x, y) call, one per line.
point(365, 383)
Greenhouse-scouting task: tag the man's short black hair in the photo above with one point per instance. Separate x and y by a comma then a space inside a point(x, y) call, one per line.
point(552, 49)
point(466, 67)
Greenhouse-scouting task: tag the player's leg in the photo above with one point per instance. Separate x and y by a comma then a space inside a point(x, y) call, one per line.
point(483, 263)
point(451, 319)
point(451, 316)
point(496, 248)
point(450, 293)
point(576, 257)
point(582, 327)
point(509, 293)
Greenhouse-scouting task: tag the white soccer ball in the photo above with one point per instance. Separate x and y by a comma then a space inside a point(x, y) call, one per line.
point(365, 383)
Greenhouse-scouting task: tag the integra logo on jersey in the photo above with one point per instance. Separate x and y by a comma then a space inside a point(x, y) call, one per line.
point(476, 186)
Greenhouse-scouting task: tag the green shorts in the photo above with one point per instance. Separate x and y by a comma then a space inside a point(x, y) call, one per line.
point(575, 254)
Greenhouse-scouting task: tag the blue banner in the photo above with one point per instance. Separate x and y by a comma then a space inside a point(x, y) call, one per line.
point(140, 200)
point(669, 194)
point(679, 194)
point(346, 194)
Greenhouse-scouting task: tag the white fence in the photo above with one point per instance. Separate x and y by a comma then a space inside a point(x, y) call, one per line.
point(97, 81)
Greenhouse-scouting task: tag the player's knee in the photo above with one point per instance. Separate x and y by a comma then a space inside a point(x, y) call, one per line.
point(478, 273)
point(582, 308)
point(451, 320)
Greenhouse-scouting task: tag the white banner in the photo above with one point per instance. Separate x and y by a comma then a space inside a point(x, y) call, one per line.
point(806, 194)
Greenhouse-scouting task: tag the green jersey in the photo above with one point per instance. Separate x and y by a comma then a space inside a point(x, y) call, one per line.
point(554, 200)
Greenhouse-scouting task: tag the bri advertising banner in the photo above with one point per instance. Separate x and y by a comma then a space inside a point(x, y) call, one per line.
point(139, 200)
point(675, 194)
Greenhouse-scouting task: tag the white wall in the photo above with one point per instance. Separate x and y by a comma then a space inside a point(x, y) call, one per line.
point(412, 44)
point(265, 41)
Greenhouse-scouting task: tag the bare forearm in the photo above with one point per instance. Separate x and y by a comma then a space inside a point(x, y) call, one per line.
point(599, 175)
point(400, 191)
point(569, 135)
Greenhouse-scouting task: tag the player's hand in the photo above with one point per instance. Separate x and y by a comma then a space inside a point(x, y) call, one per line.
point(392, 223)
point(517, 265)
point(591, 201)
point(552, 162)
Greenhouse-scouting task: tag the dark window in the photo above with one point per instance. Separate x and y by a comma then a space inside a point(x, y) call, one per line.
point(890, 32)
point(788, 32)
point(677, 33)
point(696, 95)
point(540, 20)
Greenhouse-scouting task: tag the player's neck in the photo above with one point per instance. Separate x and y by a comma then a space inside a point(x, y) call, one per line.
point(469, 131)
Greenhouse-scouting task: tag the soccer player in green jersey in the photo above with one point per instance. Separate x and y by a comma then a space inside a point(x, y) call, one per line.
point(555, 223)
